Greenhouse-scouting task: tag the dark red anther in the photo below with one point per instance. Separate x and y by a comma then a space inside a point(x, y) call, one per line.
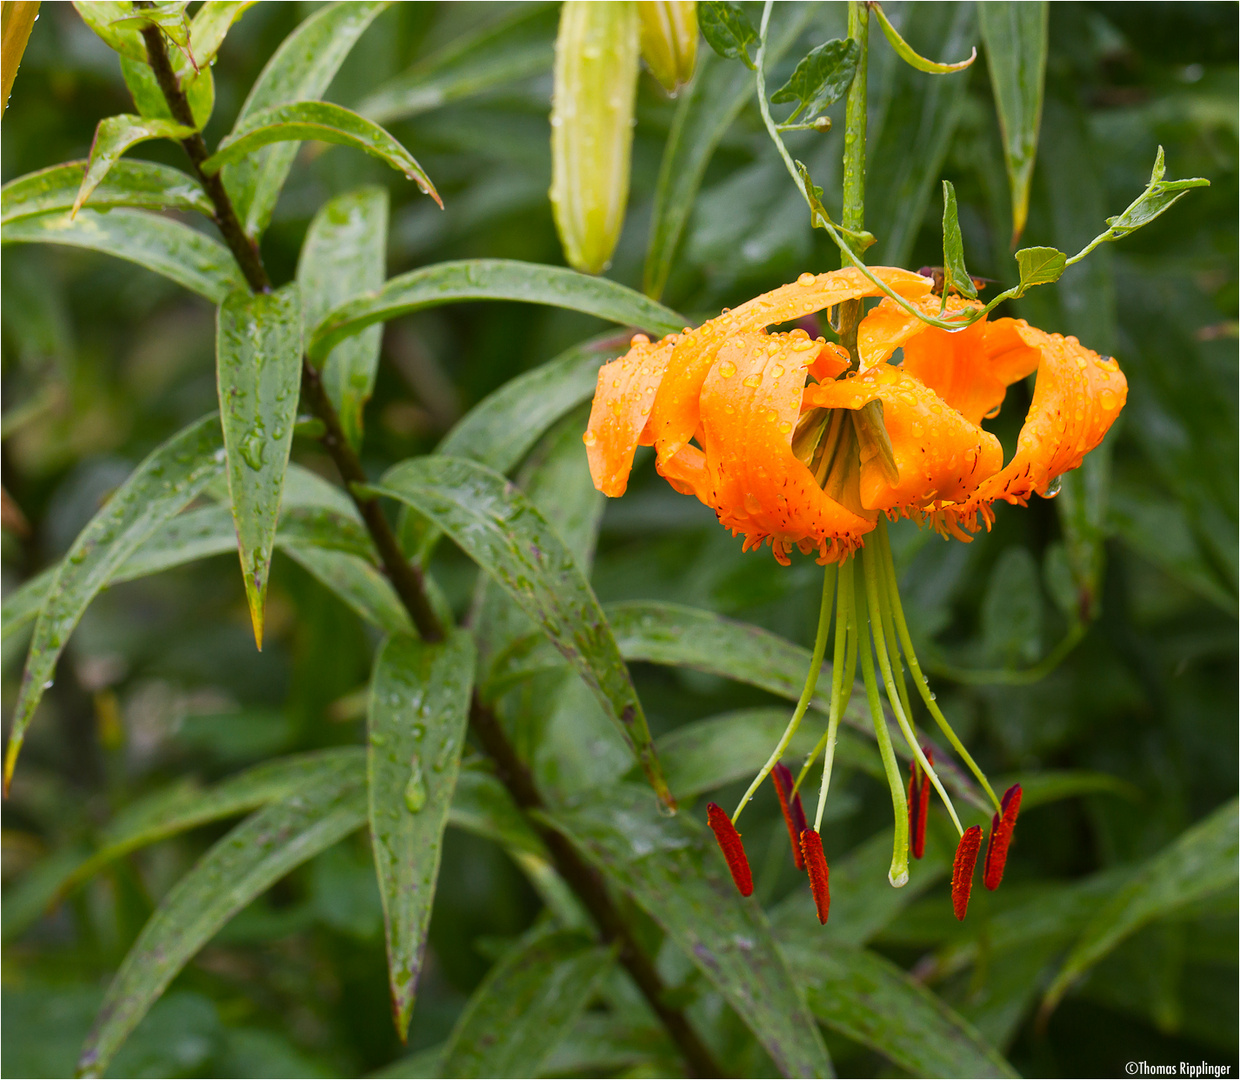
point(731, 846)
point(1001, 838)
point(794, 812)
point(962, 869)
point(919, 803)
point(819, 878)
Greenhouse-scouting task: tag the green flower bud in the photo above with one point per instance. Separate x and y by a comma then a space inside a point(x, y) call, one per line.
point(596, 57)
point(669, 40)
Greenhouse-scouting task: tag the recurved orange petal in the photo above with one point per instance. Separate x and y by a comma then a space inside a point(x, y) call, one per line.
point(1077, 396)
point(622, 403)
point(750, 403)
point(940, 454)
point(676, 409)
point(888, 326)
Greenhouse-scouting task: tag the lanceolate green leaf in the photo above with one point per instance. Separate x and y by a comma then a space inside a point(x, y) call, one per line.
point(493, 279)
point(185, 806)
point(514, 47)
point(525, 1006)
point(301, 70)
point(173, 474)
point(209, 27)
point(103, 15)
point(501, 530)
point(356, 581)
point(343, 255)
point(500, 430)
point(167, 247)
point(672, 868)
point(954, 269)
point(419, 709)
point(1200, 862)
point(1015, 38)
point(258, 368)
point(129, 183)
point(113, 137)
point(149, 99)
point(321, 121)
point(706, 110)
point(243, 865)
point(872, 1001)
point(910, 56)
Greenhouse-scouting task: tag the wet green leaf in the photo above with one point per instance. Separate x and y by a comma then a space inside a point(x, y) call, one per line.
point(209, 27)
point(240, 867)
point(356, 581)
point(501, 530)
point(129, 183)
point(320, 121)
point(706, 110)
point(482, 805)
point(910, 55)
point(821, 78)
point(343, 255)
point(528, 1002)
point(727, 29)
point(1016, 40)
point(1158, 197)
point(102, 16)
point(167, 247)
point(419, 710)
point(515, 46)
point(954, 270)
point(301, 69)
point(1040, 266)
point(869, 999)
point(672, 868)
point(493, 279)
point(1199, 862)
point(113, 137)
point(258, 366)
point(170, 477)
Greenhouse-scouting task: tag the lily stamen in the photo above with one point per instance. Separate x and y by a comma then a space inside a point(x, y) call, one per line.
point(730, 844)
point(1001, 838)
point(819, 877)
point(962, 869)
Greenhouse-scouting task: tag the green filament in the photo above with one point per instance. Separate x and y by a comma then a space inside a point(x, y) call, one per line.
point(875, 600)
point(807, 693)
point(923, 686)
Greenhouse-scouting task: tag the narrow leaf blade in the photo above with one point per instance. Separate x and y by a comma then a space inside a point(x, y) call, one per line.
point(170, 477)
point(300, 70)
point(113, 137)
point(954, 269)
point(258, 369)
point(910, 55)
point(528, 1002)
point(672, 869)
point(321, 121)
point(166, 247)
point(343, 256)
point(872, 1001)
point(492, 279)
point(129, 183)
point(1015, 36)
point(1199, 862)
point(508, 538)
point(419, 709)
point(243, 865)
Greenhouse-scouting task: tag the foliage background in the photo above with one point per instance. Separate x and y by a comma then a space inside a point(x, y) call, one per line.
point(162, 680)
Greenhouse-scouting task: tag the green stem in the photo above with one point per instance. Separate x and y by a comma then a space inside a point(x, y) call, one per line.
point(807, 692)
point(919, 679)
point(874, 597)
point(843, 672)
point(855, 120)
point(898, 874)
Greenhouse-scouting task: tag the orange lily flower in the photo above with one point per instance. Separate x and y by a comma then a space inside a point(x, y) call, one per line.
point(794, 441)
point(742, 393)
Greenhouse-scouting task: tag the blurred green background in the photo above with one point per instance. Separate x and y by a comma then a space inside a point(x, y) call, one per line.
point(102, 361)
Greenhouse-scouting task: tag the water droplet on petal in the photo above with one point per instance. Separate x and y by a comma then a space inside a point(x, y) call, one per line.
point(726, 369)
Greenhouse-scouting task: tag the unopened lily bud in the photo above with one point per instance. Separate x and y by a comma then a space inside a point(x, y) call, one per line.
point(596, 57)
point(669, 40)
